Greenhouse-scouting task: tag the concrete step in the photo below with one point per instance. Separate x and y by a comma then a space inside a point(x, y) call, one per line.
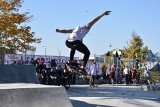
point(33, 95)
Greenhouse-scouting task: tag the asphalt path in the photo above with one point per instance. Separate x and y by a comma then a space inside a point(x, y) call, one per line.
point(112, 96)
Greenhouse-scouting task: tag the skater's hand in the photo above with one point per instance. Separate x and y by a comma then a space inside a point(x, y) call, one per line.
point(106, 13)
point(64, 31)
point(57, 30)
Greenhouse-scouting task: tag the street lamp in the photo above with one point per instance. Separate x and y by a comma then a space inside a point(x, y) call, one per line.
point(44, 51)
point(25, 52)
point(110, 46)
point(59, 52)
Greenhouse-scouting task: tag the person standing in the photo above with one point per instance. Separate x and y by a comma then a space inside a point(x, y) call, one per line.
point(112, 76)
point(93, 73)
point(53, 64)
point(117, 70)
point(126, 74)
point(130, 76)
point(74, 41)
point(147, 75)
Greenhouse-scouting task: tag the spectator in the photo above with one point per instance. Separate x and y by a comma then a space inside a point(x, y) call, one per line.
point(112, 75)
point(130, 75)
point(93, 73)
point(134, 74)
point(126, 74)
point(121, 74)
point(147, 75)
point(117, 70)
point(53, 64)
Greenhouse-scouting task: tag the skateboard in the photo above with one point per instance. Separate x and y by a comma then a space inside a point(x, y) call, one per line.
point(77, 70)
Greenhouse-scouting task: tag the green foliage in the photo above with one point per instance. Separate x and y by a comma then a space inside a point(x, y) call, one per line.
point(135, 47)
point(155, 74)
point(14, 33)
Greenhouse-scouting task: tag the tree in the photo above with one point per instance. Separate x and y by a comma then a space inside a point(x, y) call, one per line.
point(144, 53)
point(15, 35)
point(135, 47)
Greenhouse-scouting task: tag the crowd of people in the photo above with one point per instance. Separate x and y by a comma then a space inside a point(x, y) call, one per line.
point(120, 74)
point(53, 74)
point(125, 74)
point(112, 75)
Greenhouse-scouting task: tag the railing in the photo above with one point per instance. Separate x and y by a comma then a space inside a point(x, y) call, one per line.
point(1, 58)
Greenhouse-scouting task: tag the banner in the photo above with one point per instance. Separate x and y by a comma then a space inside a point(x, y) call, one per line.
point(22, 59)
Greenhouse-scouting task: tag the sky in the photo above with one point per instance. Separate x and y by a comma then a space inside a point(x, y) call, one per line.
point(127, 16)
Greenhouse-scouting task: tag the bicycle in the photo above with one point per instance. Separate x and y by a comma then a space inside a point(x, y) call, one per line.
point(58, 77)
point(64, 81)
point(77, 70)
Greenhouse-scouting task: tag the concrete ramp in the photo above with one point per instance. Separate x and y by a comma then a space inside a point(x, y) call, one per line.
point(18, 74)
point(33, 95)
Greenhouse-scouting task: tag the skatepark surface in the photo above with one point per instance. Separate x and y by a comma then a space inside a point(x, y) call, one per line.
point(112, 96)
point(19, 88)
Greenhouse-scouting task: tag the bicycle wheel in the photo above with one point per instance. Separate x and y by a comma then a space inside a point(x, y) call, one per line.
point(67, 84)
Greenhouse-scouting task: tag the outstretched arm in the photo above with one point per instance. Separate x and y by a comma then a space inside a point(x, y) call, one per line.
point(97, 18)
point(64, 31)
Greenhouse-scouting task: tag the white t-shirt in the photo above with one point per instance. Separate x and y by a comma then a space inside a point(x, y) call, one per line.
point(78, 33)
point(125, 71)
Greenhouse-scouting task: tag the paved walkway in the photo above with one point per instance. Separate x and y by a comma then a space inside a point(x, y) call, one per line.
point(112, 96)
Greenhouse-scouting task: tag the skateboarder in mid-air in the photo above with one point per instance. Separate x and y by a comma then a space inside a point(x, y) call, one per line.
point(74, 41)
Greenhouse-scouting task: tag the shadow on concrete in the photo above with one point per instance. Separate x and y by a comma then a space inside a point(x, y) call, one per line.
point(77, 103)
point(115, 92)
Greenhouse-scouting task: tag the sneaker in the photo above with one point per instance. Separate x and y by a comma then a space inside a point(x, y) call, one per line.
point(82, 71)
point(70, 65)
point(69, 62)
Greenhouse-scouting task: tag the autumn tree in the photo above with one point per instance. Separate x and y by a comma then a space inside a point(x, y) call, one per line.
point(15, 35)
point(134, 48)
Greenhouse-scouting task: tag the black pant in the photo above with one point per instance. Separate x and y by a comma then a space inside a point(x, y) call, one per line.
point(126, 78)
point(79, 46)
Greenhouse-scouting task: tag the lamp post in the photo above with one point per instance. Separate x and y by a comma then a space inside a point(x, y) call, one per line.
point(110, 46)
point(44, 51)
point(59, 54)
point(25, 53)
